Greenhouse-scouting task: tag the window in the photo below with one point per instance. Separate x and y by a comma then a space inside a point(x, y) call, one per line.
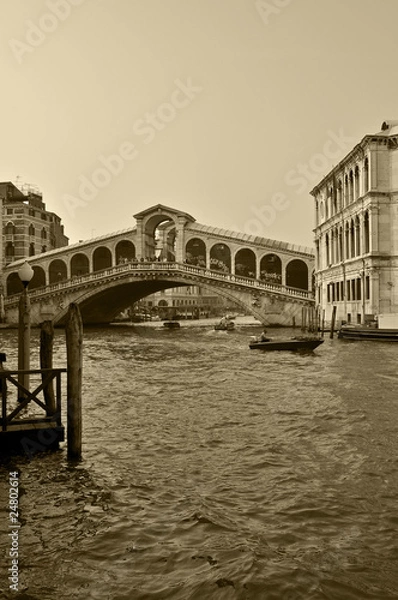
point(348, 317)
point(367, 287)
point(31, 229)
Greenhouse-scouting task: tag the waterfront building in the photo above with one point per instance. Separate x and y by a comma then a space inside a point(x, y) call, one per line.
point(189, 302)
point(356, 231)
point(28, 228)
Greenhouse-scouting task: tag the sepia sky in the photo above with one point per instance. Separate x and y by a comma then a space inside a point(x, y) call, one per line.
point(231, 110)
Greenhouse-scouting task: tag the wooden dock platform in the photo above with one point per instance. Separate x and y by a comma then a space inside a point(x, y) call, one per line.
point(24, 433)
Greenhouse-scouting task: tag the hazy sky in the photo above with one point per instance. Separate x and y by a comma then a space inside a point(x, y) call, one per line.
point(230, 110)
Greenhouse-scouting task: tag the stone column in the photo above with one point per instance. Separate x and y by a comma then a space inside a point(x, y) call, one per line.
point(140, 240)
point(180, 242)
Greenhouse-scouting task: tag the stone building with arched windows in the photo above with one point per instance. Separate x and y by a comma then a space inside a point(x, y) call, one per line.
point(27, 227)
point(356, 231)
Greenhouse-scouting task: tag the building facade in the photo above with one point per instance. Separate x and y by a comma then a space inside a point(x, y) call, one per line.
point(356, 231)
point(27, 228)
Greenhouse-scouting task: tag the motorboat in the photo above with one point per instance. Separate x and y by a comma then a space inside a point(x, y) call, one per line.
point(356, 332)
point(294, 344)
point(171, 324)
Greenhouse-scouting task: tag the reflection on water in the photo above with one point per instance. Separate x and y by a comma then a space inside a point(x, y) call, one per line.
point(212, 471)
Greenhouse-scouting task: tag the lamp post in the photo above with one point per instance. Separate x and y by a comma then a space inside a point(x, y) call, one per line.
point(25, 273)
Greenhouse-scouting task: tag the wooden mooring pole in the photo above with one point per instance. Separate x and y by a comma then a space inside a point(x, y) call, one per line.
point(46, 362)
point(332, 325)
point(74, 359)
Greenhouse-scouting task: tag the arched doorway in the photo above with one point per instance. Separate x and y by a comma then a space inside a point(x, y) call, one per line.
point(102, 258)
point(79, 265)
point(271, 268)
point(57, 271)
point(297, 274)
point(195, 252)
point(220, 258)
point(125, 251)
point(245, 263)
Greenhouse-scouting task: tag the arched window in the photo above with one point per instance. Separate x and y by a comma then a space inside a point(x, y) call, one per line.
point(79, 265)
point(351, 188)
point(31, 249)
point(346, 191)
point(358, 236)
point(339, 194)
point(125, 251)
point(366, 175)
point(352, 238)
point(31, 229)
point(43, 234)
point(271, 268)
point(10, 228)
point(102, 258)
point(327, 247)
point(347, 241)
point(245, 263)
point(195, 252)
point(297, 274)
point(220, 258)
point(57, 271)
point(366, 233)
point(356, 178)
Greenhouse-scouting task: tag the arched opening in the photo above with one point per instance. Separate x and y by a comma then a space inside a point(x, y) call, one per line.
point(366, 175)
point(31, 249)
point(351, 187)
point(57, 271)
point(43, 234)
point(220, 258)
point(79, 265)
point(245, 263)
point(195, 252)
point(102, 258)
point(366, 233)
point(356, 179)
point(352, 238)
point(159, 241)
point(163, 309)
point(347, 241)
point(271, 268)
point(31, 229)
point(358, 236)
point(125, 251)
point(14, 284)
point(10, 228)
point(327, 248)
point(297, 274)
point(38, 279)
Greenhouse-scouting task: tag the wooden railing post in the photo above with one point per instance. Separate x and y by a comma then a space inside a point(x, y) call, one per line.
point(46, 362)
point(74, 354)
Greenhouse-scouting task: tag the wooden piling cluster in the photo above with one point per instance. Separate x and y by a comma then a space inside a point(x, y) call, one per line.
point(310, 319)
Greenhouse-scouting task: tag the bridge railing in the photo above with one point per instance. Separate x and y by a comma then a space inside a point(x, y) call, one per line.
point(256, 284)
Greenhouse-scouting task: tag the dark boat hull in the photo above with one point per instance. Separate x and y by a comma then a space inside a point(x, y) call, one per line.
point(171, 325)
point(229, 327)
point(368, 333)
point(291, 345)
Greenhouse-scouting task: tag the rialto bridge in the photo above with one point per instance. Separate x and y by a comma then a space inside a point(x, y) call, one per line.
point(167, 248)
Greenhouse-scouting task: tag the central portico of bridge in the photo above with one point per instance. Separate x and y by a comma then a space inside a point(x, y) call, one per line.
point(167, 248)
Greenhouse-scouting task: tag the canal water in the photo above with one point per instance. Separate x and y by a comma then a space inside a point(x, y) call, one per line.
point(211, 471)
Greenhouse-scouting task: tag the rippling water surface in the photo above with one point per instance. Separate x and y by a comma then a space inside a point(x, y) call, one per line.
point(214, 472)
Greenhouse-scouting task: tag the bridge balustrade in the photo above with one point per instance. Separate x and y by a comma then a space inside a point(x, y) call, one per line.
point(165, 266)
